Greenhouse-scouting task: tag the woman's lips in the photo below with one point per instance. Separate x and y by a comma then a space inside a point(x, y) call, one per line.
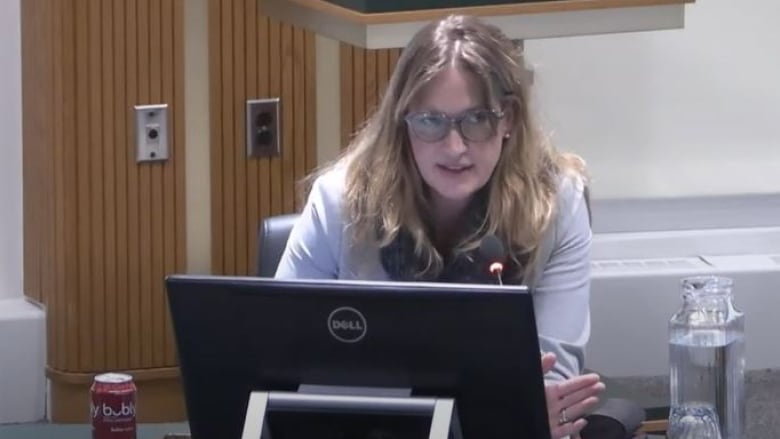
point(455, 168)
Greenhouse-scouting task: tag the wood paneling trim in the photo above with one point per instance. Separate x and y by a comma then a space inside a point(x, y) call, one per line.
point(275, 89)
point(101, 230)
point(110, 320)
point(364, 77)
point(240, 163)
point(70, 196)
point(289, 59)
point(253, 57)
point(252, 43)
point(121, 175)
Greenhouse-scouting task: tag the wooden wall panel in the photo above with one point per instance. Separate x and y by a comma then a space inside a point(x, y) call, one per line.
point(364, 77)
point(101, 230)
point(252, 56)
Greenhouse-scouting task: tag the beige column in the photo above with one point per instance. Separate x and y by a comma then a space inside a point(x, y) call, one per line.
point(197, 137)
point(328, 99)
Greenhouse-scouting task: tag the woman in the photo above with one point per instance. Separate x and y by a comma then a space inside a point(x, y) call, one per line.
point(452, 155)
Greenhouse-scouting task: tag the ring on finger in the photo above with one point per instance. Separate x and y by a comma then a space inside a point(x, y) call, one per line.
point(563, 419)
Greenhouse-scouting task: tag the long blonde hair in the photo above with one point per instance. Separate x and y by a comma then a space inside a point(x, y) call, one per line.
point(383, 189)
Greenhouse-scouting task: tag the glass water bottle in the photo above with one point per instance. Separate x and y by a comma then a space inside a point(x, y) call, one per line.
point(707, 362)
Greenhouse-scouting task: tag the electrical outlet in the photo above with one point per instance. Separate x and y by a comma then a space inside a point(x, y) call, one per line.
point(151, 133)
point(263, 127)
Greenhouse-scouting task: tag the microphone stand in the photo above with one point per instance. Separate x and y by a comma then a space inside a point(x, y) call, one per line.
point(497, 269)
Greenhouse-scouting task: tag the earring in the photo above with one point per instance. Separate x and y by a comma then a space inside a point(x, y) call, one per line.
point(506, 136)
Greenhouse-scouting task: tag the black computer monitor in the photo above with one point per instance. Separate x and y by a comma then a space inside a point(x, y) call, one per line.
point(475, 343)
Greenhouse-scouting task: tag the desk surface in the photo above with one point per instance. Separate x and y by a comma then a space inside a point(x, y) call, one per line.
point(83, 431)
point(158, 431)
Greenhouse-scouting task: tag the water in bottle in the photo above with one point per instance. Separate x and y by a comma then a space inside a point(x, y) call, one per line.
point(707, 363)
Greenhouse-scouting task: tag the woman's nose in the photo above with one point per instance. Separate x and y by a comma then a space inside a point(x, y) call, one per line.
point(455, 141)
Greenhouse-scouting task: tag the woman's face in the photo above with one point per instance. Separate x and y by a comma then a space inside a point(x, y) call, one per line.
point(455, 159)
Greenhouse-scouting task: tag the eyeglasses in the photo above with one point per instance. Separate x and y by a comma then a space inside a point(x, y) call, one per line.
point(477, 125)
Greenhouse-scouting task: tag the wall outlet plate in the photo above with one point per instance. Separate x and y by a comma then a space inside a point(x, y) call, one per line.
point(151, 133)
point(263, 127)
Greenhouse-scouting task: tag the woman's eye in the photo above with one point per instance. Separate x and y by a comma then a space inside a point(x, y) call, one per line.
point(430, 120)
point(477, 117)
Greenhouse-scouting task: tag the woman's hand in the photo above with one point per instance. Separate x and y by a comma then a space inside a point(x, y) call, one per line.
point(570, 400)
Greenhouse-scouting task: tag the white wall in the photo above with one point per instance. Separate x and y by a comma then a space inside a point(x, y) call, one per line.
point(671, 113)
point(11, 150)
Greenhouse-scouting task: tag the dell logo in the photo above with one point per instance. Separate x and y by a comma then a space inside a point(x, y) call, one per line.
point(346, 324)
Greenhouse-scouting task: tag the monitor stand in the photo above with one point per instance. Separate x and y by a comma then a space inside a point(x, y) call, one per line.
point(358, 401)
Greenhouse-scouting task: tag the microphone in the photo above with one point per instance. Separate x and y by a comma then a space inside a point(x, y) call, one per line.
point(493, 254)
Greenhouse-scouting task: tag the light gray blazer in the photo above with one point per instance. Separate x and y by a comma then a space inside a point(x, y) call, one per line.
point(320, 247)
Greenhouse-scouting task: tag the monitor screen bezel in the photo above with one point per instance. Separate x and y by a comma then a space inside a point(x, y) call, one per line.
point(193, 319)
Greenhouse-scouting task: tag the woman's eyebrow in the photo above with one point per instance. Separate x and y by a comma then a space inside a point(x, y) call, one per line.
point(437, 111)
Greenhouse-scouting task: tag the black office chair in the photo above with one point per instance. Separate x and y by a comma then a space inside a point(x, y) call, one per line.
point(271, 240)
point(616, 418)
